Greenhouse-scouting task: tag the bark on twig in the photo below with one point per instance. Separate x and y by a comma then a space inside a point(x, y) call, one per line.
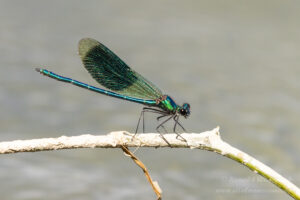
point(209, 140)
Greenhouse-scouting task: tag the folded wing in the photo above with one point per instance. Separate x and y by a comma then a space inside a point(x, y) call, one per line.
point(112, 73)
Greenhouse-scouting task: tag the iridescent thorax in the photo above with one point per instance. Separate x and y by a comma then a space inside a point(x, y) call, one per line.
point(167, 103)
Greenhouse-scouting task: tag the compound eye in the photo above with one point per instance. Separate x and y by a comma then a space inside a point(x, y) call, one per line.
point(183, 112)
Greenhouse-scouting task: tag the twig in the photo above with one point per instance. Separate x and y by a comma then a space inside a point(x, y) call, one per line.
point(209, 140)
point(154, 184)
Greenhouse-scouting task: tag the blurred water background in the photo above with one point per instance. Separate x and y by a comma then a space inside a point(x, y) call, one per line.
point(236, 62)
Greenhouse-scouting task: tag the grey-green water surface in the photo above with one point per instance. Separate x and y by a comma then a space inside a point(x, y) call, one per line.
point(236, 62)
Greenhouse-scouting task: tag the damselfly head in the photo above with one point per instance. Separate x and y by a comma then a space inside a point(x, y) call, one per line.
point(185, 110)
